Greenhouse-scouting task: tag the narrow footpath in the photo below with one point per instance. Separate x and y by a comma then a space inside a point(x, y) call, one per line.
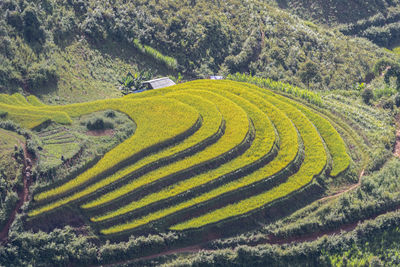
point(22, 194)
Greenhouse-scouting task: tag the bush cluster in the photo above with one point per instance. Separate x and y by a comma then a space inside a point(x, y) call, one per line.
point(99, 124)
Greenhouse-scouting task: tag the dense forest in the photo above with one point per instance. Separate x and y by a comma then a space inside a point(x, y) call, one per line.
point(315, 82)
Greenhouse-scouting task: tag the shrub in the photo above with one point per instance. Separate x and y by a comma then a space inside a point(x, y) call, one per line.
point(110, 114)
point(41, 75)
point(388, 104)
point(99, 124)
point(367, 95)
point(33, 31)
point(397, 100)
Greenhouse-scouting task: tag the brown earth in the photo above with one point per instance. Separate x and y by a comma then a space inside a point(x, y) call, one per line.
point(108, 132)
point(396, 150)
point(22, 195)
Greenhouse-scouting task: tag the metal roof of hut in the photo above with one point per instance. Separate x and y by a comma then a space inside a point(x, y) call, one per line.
point(159, 83)
point(214, 77)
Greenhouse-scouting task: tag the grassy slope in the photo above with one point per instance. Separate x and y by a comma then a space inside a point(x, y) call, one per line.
point(7, 142)
point(90, 72)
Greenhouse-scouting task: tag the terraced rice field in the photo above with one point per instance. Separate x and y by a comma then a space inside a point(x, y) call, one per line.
point(204, 153)
point(57, 144)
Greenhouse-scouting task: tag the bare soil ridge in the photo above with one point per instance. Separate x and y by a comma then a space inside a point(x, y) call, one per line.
point(22, 194)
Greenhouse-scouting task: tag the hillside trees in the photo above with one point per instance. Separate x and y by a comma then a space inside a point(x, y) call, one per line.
point(203, 37)
point(33, 30)
point(382, 29)
point(389, 69)
point(308, 72)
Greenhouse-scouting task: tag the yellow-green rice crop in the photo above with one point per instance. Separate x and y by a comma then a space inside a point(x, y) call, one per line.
point(212, 120)
point(19, 99)
point(5, 99)
point(314, 163)
point(237, 127)
point(216, 101)
point(24, 114)
point(27, 120)
point(337, 148)
point(287, 153)
point(307, 95)
point(262, 145)
point(34, 101)
point(158, 120)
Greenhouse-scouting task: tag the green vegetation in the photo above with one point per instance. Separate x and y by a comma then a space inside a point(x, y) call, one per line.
point(63, 146)
point(337, 11)
point(307, 95)
point(168, 61)
point(64, 49)
point(10, 172)
point(131, 83)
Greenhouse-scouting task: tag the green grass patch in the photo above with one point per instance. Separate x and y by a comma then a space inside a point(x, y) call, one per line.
point(168, 61)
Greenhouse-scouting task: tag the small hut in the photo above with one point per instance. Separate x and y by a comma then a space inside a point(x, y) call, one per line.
point(214, 77)
point(158, 83)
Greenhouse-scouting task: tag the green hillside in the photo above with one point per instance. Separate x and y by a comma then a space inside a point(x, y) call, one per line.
point(86, 46)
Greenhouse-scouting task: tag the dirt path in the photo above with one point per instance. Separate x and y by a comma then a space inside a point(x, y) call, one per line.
point(314, 236)
point(108, 132)
point(341, 192)
point(272, 240)
point(190, 249)
point(396, 151)
point(22, 195)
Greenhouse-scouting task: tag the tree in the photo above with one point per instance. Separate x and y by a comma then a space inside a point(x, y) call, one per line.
point(33, 31)
point(393, 71)
point(308, 72)
point(381, 65)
